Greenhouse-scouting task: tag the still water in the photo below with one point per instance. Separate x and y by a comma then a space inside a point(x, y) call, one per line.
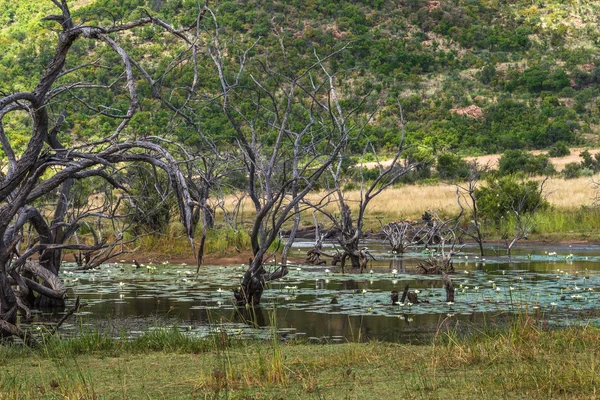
point(559, 284)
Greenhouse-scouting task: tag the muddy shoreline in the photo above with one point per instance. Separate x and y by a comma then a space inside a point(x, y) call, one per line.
point(145, 257)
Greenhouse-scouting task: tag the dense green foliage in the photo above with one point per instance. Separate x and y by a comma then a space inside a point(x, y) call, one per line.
point(513, 161)
point(507, 195)
point(528, 68)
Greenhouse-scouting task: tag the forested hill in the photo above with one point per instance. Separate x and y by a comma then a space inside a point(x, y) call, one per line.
point(472, 76)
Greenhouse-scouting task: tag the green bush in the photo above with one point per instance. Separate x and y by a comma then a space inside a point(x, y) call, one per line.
point(504, 196)
point(572, 170)
point(451, 166)
point(513, 161)
point(560, 149)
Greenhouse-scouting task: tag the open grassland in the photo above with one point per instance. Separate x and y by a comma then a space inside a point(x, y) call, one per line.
point(410, 201)
point(572, 215)
point(519, 361)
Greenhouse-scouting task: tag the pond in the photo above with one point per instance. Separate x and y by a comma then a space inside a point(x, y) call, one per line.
point(559, 284)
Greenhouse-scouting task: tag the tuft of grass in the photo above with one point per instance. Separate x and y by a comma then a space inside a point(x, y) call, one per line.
point(518, 360)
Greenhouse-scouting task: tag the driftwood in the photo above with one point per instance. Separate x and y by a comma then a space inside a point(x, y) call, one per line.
point(436, 266)
point(411, 296)
point(404, 294)
point(449, 286)
point(67, 315)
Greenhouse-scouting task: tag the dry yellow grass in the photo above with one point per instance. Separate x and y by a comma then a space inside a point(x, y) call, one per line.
point(409, 202)
point(558, 162)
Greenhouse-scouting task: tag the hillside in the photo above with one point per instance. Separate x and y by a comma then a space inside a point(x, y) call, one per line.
point(474, 77)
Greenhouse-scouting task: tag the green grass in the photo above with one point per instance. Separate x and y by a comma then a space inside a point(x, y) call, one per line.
point(521, 360)
point(555, 224)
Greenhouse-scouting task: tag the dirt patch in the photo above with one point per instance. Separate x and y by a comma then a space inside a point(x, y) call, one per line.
point(471, 111)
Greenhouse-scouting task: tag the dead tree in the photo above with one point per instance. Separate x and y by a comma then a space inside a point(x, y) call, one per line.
point(399, 235)
point(468, 193)
point(349, 225)
point(445, 233)
point(47, 165)
point(313, 256)
point(286, 140)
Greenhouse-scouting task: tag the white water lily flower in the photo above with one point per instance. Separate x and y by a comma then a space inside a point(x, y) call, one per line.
point(364, 291)
point(498, 289)
point(417, 291)
point(511, 288)
point(121, 283)
point(394, 271)
point(553, 304)
point(476, 287)
point(371, 271)
point(409, 304)
point(219, 290)
point(327, 271)
point(409, 319)
point(450, 303)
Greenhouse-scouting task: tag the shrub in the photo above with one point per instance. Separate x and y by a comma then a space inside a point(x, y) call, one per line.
point(505, 195)
point(572, 170)
point(513, 161)
point(450, 166)
point(560, 149)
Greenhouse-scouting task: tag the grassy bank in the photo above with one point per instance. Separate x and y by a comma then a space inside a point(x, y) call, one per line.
point(520, 361)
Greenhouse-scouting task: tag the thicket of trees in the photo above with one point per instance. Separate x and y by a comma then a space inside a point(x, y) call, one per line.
point(536, 85)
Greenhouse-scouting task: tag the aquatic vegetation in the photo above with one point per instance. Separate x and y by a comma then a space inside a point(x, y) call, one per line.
point(557, 289)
